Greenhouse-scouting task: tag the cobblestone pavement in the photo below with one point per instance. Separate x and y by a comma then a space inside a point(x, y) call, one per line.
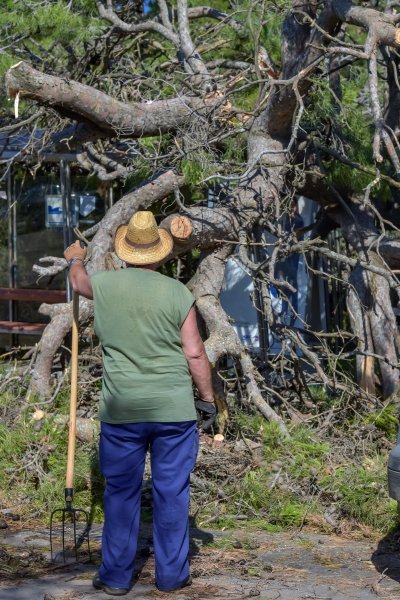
point(225, 565)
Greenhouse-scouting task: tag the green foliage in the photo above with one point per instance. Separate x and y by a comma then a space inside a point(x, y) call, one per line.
point(326, 112)
point(191, 171)
point(362, 493)
point(245, 99)
point(386, 419)
point(5, 63)
point(318, 393)
point(52, 36)
point(279, 508)
point(328, 115)
point(196, 169)
point(51, 22)
point(300, 477)
point(235, 149)
point(48, 19)
point(306, 451)
point(294, 479)
point(33, 463)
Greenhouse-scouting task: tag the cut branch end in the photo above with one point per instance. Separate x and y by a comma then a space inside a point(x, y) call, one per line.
point(181, 228)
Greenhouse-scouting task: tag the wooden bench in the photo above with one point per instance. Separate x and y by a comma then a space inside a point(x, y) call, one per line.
point(28, 295)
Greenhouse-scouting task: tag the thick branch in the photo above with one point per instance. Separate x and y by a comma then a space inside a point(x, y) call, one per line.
point(380, 26)
point(255, 396)
point(361, 232)
point(223, 339)
point(209, 225)
point(164, 14)
point(373, 320)
point(149, 25)
point(191, 56)
point(50, 341)
point(85, 102)
point(276, 120)
point(196, 12)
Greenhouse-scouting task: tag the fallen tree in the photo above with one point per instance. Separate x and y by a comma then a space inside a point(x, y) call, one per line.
point(286, 145)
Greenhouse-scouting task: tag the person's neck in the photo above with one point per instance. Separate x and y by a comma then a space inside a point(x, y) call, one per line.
point(147, 267)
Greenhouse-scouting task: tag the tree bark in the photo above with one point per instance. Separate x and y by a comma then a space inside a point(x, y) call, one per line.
point(84, 103)
point(375, 325)
point(222, 338)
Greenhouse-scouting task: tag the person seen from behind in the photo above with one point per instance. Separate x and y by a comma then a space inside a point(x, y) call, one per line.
point(152, 350)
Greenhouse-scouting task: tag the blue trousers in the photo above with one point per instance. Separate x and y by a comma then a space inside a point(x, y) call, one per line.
point(173, 450)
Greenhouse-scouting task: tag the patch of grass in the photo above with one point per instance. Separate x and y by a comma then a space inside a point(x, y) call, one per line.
point(264, 525)
point(305, 543)
point(279, 507)
point(289, 512)
point(6, 400)
point(289, 481)
point(319, 393)
point(386, 419)
point(362, 494)
point(223, 543)
point(225, 520)
point(306, 452)
point(300, 477)
point(33, 464)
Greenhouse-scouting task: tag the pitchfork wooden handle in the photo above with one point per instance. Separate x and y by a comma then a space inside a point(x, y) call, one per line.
point(69, 479)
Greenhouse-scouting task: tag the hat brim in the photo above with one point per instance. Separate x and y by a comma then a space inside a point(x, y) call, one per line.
point(142, 256)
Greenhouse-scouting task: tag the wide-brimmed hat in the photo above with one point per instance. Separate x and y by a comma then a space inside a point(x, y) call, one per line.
point(141, 242)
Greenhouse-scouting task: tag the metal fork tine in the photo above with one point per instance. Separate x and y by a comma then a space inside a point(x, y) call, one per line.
point(63, 534)
point(75, 546)
point(77, 541)
point(69, 476)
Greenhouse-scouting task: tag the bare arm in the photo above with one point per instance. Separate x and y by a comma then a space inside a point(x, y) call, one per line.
point(196, 357)
point(80, 280)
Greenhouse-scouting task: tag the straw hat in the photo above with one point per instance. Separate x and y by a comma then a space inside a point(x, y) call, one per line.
point(141, 242)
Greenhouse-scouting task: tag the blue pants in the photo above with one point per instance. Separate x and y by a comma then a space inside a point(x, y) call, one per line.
point(173, 449)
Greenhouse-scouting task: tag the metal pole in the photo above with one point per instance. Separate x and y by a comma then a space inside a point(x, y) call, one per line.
point(10, 241)
point(110, 197)
point(259, 299)
point(69, 206)
point(65, 194)
point(15, 253)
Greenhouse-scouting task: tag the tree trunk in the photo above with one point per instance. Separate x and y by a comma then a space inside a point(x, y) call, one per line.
point(374, 323)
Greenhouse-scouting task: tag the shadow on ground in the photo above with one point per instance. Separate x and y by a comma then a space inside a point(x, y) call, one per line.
point(386, 557)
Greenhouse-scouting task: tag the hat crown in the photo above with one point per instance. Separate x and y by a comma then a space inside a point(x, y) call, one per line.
point(142, 228)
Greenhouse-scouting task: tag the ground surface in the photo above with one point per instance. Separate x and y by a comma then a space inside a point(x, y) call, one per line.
point(236, 564)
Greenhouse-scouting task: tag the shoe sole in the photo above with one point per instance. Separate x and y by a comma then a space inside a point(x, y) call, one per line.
point(109, 590)
point(186, 583)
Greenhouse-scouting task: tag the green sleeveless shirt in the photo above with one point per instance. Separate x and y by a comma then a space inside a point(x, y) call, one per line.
point(137, 316)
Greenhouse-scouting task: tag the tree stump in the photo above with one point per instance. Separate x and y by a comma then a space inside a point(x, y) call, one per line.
point(181, 228)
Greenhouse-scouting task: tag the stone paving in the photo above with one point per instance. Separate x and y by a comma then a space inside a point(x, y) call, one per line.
point(225, 565)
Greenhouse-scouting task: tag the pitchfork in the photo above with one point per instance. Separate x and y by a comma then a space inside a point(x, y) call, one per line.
point(69, 478)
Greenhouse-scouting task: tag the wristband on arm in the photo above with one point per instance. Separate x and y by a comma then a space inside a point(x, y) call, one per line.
point(71, 261)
